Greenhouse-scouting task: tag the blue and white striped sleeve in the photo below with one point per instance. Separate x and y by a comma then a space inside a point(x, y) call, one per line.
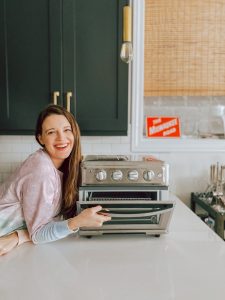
point(53, 231)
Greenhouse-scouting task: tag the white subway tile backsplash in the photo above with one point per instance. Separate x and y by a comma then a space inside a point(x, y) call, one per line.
point(28, 138)
point(111, 140)
point(5, 167)
point(155, 100)
point(5, 147)
point(8, 138)
point(91, 139)
point(15, 149)
point(120, 149)
point(100, 148)
point(218, 100)
point(86, 148)
point(125, 140)
point(21, 147)
point(173, 101)
point(9, 157)
point(189, 172)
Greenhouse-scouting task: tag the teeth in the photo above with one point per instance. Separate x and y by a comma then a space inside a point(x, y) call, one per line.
point(61, 146)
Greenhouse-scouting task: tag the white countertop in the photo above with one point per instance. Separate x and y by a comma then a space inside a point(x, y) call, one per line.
point(188, 263)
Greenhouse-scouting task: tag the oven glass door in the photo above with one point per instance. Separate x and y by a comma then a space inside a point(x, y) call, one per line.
point(135, 214)
point(129, 210)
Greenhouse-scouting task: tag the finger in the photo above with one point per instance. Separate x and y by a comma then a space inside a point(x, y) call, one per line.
point(96, 209)
point(106, 218)
point(3, 251)
point(103, 213)
point(150, 158)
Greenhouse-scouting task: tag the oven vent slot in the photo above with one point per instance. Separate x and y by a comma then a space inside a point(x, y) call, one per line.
point(123, 196)
point(118, 199)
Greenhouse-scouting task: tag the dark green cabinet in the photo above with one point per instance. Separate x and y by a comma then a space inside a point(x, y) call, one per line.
point(66, 46)
point(26, 63)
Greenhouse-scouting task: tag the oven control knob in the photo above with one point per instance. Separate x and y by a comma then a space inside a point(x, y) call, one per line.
point(133, 175)
point(101, 175)
point(149, 175)
point(117, 175)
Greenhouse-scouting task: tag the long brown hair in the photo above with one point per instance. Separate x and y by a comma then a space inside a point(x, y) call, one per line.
point(71, 165)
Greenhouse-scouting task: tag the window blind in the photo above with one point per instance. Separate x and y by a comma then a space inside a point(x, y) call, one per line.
point(184, 47)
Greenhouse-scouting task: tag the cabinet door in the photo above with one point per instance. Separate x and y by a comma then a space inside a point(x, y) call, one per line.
point(30, 61)
point(100, 82)
point(66, 46)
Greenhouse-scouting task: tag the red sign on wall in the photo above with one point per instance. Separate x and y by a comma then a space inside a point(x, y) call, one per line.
point(167, 127)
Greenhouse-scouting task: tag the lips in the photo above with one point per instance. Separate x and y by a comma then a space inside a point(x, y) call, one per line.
point(61, 146)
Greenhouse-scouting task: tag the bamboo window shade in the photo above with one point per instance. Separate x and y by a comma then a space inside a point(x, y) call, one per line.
point(184, 47)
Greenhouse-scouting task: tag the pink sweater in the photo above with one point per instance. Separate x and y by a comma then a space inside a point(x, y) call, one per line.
point(31, 196)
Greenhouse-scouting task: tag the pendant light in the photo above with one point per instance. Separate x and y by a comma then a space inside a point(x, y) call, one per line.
point(126, 53)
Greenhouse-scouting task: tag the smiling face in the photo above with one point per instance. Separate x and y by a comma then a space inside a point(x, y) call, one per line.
point(57, 138)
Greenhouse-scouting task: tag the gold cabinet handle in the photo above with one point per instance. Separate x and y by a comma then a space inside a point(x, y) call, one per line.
point(68, 99)
point(55, 95)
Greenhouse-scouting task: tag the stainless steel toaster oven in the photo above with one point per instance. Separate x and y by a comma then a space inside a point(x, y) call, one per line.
point(134, 193)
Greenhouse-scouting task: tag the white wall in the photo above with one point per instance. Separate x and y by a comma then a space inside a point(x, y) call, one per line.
point(15, 149)
point(189, 172)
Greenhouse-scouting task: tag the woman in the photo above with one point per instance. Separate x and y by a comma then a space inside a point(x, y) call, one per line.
point(38, 202)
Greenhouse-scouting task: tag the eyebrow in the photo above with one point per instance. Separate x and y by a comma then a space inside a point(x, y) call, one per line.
point(67, 126)
point(49, 129)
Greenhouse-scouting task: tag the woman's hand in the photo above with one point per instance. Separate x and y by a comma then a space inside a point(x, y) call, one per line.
point(89, 217)
point(150, 158)
point(8, 242)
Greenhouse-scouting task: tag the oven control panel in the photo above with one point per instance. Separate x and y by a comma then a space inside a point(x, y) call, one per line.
point(145, 173)
point(133, 175)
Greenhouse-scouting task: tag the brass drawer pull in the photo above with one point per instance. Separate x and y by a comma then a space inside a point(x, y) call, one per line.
point(55, 95)
point(68, 100)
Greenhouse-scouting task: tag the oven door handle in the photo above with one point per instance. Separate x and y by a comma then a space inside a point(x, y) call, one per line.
point(158, 212)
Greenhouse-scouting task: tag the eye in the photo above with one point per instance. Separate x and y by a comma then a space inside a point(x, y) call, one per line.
point(68, 129)
point(50, 132)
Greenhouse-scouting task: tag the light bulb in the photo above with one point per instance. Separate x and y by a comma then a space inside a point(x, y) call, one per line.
point(126, 53)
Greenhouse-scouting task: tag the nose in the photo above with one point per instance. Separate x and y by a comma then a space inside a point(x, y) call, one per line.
point(60, 135)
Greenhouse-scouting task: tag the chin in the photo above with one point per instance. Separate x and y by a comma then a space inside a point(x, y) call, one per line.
point(63, 156)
